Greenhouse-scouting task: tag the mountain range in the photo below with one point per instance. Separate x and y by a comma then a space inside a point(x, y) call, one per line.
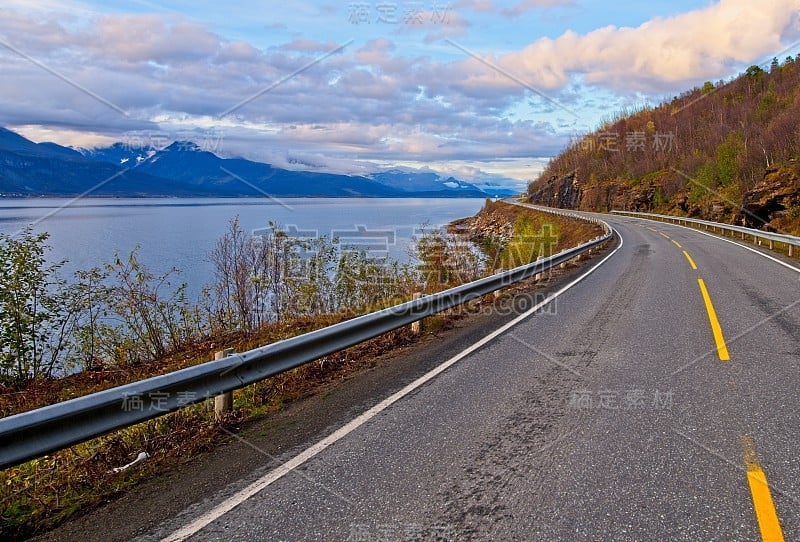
point(183, 169)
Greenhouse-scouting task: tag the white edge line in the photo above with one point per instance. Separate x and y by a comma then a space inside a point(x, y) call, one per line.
point(731, 241)
point(235, 500)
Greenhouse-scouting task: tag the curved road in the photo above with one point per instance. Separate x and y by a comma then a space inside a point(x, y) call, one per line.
point(644, 405)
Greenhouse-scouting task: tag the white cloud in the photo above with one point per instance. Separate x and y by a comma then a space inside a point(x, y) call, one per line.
point(519, 8)
point(151, 38)
point(72, 138)
point(529, 5)
point(309, 46)
point(661, 54)
point(481, 6)
point(445, 23)
point(371, 101)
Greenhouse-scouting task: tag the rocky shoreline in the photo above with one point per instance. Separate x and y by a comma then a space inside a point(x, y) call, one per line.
point(492, 222)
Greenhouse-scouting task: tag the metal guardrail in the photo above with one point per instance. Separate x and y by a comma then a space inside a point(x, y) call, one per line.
point(560, 212)
point(792, 242)
point(32, 434)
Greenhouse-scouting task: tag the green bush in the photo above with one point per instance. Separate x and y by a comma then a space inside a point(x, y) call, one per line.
point(37, 312)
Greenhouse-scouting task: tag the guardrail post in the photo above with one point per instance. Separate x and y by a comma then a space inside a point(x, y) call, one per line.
point(771, 244)
point(416, 327)
point(790, 250)
point(223, 403)
point(538, 276)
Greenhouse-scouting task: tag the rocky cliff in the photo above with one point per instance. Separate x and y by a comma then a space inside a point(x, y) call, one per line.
point(569, 193)
point(772, 204)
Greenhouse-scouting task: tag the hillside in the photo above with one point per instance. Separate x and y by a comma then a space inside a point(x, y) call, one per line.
point(726, 152)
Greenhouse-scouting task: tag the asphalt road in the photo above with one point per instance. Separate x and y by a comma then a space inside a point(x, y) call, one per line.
point(614, 415)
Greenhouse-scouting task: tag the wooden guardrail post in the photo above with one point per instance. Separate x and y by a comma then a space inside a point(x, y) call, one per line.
point(223, 403)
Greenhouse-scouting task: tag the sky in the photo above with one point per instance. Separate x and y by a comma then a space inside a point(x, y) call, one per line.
point(485, 90)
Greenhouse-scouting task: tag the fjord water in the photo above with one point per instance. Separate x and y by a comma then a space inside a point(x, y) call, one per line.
point(180, 233)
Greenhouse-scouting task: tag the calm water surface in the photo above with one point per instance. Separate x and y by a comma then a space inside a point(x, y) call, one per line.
point(180, 233)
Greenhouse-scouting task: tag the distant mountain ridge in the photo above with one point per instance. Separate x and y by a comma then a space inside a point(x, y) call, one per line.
point(428, 183)
point(121, 154)
point(48, 169)
point(183, 169)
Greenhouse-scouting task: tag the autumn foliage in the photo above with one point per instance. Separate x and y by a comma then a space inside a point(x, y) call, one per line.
point(710, 144)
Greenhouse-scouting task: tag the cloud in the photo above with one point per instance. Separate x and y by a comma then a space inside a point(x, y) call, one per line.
point(520, 8)
point(76, 138)
point(529, 5)
point(151, 38)
point(309, 46)
point(659, 55)
point(379, 55)
point(439, 24)
point(295, 160)
point(373, 100)
point(481, 6)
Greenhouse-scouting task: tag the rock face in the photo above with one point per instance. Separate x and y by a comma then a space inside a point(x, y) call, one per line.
point(568, 192)
point(716, 210)
point(564, 192)
point(774, 203)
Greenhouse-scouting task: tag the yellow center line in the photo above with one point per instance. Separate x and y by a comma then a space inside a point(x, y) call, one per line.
point(766, 515)
point(722, 350)
point(651, 229)
point(691, 261)
point(677, 244)
point(662, 234)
